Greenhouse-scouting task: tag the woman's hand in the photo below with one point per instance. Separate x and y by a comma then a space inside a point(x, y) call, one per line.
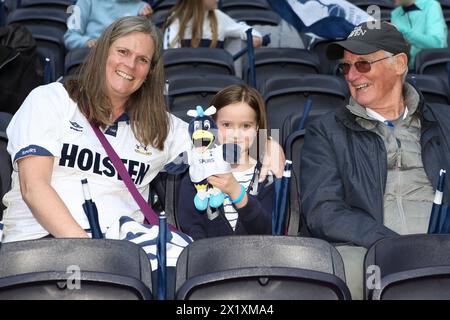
point(146, 11)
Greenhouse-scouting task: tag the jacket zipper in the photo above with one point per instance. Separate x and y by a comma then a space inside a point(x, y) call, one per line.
point(398, 197)
point(9, 60)
point(380, 171)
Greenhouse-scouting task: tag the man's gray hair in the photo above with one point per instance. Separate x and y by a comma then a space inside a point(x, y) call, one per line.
point(388, 54)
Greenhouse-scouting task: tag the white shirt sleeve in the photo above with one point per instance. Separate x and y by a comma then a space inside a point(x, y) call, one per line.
point(36, 128)
point(178, 140)
point(233, 29)
point(170, 35)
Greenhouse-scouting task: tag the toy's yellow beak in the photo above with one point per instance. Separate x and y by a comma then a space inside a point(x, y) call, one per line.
point(200, 186)
point(202, 138)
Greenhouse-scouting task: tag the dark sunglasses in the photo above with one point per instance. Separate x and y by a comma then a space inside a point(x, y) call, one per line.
point(362, 66)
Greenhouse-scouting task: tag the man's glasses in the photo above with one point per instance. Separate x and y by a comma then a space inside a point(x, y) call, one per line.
point(362, 66)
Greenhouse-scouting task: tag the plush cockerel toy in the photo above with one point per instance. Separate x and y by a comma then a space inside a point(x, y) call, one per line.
point(207, 158)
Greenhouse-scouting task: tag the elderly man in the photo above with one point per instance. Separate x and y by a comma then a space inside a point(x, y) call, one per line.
point(369, 170)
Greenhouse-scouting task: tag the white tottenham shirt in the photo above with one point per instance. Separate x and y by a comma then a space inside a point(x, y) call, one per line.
point(49, 123)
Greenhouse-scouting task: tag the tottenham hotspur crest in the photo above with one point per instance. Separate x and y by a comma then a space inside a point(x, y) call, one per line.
point(140, 148)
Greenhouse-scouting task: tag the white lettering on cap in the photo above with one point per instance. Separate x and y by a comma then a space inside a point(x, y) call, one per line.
point(357, 32)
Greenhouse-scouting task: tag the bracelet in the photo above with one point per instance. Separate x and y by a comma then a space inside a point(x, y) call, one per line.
point(241, 196)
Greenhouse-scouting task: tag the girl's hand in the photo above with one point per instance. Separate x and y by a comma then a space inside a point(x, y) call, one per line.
point(273, 160)
point(257, 42)
point(91, 43)
point(227, 183)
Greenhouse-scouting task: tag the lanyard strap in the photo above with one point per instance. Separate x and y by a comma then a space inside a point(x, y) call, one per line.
point(148, 212)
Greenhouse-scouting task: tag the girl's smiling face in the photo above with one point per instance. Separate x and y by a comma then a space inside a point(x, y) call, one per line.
point(237, 123)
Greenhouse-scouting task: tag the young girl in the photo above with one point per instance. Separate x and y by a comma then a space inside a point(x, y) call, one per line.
point(239, 117)
point(197, 23)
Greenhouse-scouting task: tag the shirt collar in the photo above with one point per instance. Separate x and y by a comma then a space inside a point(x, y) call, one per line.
point(376, 116)
point(417, 5)
point(123, 117)
point(410, 8)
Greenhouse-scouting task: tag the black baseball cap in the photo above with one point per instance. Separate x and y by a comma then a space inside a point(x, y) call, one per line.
point(369, 37)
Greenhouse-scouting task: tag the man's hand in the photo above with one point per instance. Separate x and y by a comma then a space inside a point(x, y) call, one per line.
point(91, 43)
point(146, 11)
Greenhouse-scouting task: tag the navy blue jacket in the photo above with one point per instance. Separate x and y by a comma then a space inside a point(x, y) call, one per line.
point(344, 170)
point(254, 218)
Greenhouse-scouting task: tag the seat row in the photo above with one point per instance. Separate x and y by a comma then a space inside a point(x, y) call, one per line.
point(274, 268)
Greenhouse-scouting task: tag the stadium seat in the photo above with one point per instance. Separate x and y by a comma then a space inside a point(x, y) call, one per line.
point(74, 58)
point(286, 96)
point(408, 268)
point(244, 4)
point(255, 16)
point(186, 92)
point(5, 159)
point(50, 44)
point(10, 5)
point(46, 269)
point(319, 48)
point(166, 186)
point(59, 4)
point(260, 268)
point(3, 13)
point(40, 16)
point(295, 222)
point(434, 62)
point(291, 124)
point(433, 88)
point(194, 61)
point(162, 4)
point(293, 147)
point(159, 17)
point(277, 62)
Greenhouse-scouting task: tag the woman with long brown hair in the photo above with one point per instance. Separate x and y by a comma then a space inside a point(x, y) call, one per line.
point(198, 23)
point(54, 146)
point(119, 90)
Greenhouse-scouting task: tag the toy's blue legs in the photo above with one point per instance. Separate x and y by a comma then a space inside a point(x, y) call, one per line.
point(201, 198)
point(216, 197)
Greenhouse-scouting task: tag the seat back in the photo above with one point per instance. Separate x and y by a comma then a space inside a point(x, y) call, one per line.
point(186, 92)
point(194, 61)
point(50, 268)
point(160, 16)
point(163, 5)
point(53, 17)
point(277, 62)
point(433, 88)
point(5, 159)
point(408, 267)
point(293, 147)
point(319, 48)
point(433, 62)
point(73, 60)
point(259, 268)
point(285, 96)
point(253, 16)
point(59, 4)
point(244, 4)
